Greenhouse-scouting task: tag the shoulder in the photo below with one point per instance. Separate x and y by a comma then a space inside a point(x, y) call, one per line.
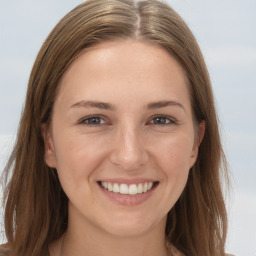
point(4, 251)
point(172, 250)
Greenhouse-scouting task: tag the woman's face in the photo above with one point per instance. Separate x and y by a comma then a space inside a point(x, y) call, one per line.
point(122, 137)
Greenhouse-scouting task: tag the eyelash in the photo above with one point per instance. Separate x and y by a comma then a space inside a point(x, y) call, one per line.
point(87, 120)
point(161, 118)
point(96, 120)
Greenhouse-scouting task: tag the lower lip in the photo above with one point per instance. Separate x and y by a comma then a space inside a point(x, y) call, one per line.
point(129, 200)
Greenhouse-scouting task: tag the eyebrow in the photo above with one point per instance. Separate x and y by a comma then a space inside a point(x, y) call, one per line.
point(163, 104)
point(108, 106)
point(93, 104)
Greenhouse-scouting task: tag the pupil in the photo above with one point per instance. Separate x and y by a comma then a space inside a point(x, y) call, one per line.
point(94, 120)
point(160, 120)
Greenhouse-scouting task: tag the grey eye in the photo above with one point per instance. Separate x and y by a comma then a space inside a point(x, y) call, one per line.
point(93, 120)
point(161, 120)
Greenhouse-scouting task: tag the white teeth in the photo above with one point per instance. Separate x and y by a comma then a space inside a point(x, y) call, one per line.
point(125, 189)
point(133, 189)
point(140, 188)
point(116, 188)
point(145, 187)
point(150, 185)
point(105, 185)
point(110, 187)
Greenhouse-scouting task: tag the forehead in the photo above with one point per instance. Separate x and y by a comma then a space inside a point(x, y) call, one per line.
point(123, 68)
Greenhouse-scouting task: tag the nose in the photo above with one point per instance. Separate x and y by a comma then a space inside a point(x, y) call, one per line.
point(129, 151)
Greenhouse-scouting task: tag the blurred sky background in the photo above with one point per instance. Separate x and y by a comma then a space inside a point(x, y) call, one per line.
point(226, 32)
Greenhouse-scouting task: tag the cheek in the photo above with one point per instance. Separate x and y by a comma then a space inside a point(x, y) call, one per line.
point(77, 157)
point(173, 155)
point(175, 149)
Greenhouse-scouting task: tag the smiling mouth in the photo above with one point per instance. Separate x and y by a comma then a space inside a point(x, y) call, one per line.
point(131, 189)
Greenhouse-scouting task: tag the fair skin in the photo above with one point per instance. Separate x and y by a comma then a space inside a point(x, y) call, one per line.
point(122, 115)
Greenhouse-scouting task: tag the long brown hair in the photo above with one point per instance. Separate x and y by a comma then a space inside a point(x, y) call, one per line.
point(35, 204)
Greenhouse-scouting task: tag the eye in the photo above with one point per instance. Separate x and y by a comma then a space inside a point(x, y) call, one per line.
point(161, 120)
point(93, 120)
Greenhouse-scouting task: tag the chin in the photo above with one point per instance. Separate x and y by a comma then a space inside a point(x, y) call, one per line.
point(132, 226)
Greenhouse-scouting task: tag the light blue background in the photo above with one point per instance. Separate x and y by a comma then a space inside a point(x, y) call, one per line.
point(226, 32)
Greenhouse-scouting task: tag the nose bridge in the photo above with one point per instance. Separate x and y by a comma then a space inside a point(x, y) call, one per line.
point(129, 150)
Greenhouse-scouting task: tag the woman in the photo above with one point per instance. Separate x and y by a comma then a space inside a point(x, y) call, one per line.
point(118, 149)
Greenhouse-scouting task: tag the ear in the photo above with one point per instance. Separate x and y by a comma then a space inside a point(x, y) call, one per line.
point(49, 151)
point(198, 139)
